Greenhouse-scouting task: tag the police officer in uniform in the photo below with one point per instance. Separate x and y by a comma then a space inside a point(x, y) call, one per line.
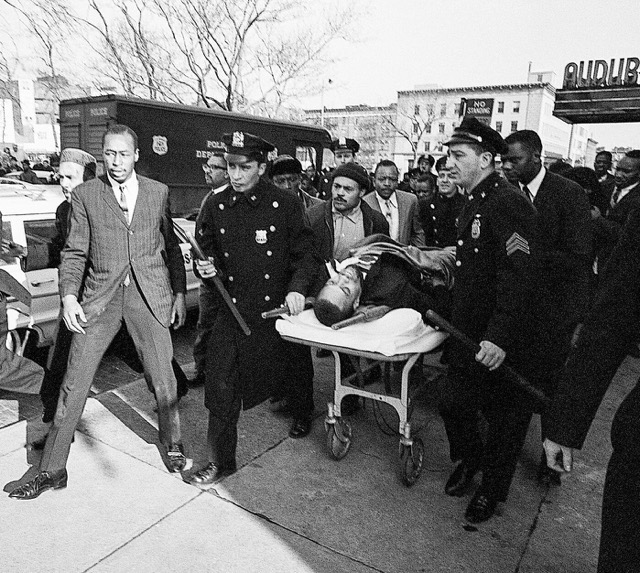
point(493, 275)
point(344, 150)
point(439, 214)
point(256, 238)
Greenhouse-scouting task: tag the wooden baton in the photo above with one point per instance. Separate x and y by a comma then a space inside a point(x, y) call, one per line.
point(218, 284)
point(508, 372)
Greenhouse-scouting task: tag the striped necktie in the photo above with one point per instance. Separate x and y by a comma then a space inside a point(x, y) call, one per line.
point(123, 203)
point(528, 193)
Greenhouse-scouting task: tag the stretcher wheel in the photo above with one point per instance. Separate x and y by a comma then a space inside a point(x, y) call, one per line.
point(339, 438)
point(411, 462)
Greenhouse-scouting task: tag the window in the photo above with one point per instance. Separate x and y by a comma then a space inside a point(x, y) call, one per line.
point(416, 110)
point(514, 126)
point(427, 146)
point(500, 107)
point(416, 127)
point(430, 109)
point(441, 128)
point(499, 126)
point(439, 146)
point(516, 107)
point(306, 155)
point(443, 109)
point(40, 248)
point(540, 78)
point(456, 109)
point(427, 128)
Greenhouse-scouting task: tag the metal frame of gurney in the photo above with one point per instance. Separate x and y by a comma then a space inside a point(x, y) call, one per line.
point(339, 432)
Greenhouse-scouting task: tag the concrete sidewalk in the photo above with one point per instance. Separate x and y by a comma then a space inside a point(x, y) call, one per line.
point(290, 507)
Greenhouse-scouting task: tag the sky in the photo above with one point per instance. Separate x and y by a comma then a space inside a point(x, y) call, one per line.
point(399, 44)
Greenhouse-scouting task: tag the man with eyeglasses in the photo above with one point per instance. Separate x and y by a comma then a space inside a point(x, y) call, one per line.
point(216, 175)
point(399, 208)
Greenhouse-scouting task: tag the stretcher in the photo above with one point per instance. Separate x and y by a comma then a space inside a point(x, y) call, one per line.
point(399, 336)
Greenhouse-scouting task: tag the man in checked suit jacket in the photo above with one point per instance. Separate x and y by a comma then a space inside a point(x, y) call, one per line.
point(402, 211)
point(116, 267)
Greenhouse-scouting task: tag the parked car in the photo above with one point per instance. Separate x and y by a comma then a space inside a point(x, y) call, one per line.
point(47, 177)
point(29, 219)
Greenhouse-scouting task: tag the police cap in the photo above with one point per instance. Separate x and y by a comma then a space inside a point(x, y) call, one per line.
point(285, 164)
point(345, 143)
point(243, 143)
point(472, 131)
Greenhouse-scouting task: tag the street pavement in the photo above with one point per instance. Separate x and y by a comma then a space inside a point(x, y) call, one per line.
point(290, 507)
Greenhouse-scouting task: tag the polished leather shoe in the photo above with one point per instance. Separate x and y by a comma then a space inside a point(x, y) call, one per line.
point(461, 478)
point(176, 457)
point(300, 427)
point(480, 508)
point(547, 476)
point(39, 484)
point(208, 475)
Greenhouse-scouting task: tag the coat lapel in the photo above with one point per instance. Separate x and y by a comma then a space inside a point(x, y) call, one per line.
point(109, 198)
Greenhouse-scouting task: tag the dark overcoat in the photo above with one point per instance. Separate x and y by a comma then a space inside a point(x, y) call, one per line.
point(492, 288)
point(438, 217)
point(263, 248)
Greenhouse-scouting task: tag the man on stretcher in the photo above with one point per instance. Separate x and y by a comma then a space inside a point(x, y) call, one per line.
point(382, 272)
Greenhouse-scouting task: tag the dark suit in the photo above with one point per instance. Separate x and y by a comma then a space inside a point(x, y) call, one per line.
point(563, 223)
point(409, 227)
point(614, 322)
point(606, 230)
point(491, 295)
point(321, 220)
point(102, 249)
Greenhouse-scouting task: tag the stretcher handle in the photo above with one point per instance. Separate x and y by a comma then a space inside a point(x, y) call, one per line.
point(197, 251)
point(509, 373)
point(284, 309)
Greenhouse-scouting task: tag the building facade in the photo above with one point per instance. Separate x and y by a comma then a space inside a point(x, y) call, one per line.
point(430, 116)
point(372, 127)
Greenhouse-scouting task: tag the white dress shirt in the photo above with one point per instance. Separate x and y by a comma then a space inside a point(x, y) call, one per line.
point(130, 187)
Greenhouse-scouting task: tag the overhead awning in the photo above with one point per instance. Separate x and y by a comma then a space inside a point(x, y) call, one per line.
point(599, 105)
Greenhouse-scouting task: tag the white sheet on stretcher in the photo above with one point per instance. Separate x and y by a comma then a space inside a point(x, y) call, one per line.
point(400, 331)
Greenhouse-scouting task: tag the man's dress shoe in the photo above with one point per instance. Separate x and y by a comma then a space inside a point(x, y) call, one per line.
point(300, 427)
point(480, 508)
point(208, 475)
point(39, 484)
point(461, 478)
point(176, 457)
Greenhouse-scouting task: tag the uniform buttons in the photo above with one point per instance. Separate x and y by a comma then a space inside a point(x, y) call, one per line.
point(460, 242)
point(253, 197)
point(433, 206)
point(267, 277)
point(458, 263)
point(231, 279)
point(269, 253)
point(221, 206)
point(433, 217)
point(435, 231)
point(275, 204)
point(267, 298)
point(234, 300)
point(226, 255)
point(475, 250)
point(131, 232)
point(272, 229)
point(222, 231)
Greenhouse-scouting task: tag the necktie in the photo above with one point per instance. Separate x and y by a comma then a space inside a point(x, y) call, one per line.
point(125, 212)
point(527, 192)
point(123, 203)
point(615, 196)
point(387, 211)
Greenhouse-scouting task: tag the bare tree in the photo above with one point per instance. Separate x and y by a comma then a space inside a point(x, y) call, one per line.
point(413, 124)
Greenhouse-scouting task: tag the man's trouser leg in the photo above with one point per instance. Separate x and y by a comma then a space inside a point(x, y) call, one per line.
point(54, 376)
point(299, 389)
point(84, 358)
point(155, 348)
point(459, 405)
point(206, 316)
